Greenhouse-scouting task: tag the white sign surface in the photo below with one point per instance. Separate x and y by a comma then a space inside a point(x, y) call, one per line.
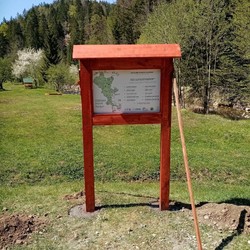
point(126, 91)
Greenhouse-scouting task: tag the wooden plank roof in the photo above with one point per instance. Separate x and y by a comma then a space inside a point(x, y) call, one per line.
point(127, 51)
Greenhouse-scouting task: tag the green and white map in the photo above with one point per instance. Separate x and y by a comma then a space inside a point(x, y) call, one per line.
point(126, 91)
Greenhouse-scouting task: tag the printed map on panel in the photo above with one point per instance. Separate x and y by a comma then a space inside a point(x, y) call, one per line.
point(126, 91)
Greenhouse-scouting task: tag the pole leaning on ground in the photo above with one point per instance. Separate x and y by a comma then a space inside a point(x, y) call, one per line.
point(185, 157)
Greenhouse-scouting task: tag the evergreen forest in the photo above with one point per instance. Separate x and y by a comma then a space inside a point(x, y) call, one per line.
point(214, 36)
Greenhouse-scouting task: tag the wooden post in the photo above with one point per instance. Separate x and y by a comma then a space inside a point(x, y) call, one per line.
point(166, 104)
point(87, 129)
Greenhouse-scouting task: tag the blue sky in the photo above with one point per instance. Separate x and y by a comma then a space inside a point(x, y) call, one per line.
point(10, 8)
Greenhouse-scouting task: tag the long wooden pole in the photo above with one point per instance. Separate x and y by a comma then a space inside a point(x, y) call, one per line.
point(185, 157)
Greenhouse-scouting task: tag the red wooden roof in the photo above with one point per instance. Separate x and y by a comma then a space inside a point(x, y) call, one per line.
point(126, 51)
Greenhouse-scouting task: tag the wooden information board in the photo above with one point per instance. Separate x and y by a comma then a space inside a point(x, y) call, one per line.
point(126, 84)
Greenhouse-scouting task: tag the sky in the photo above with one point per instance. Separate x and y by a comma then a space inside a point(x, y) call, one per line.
point(10, 8)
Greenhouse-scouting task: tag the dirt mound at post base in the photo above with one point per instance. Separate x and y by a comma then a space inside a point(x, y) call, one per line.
point(17, 229)
point(225, 216)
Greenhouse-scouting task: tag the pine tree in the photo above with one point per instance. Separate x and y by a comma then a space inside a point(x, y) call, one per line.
point(43, 29)
point(100, 32)
point(122, 24)
point(4, 43)
point(51, 50)
point(31, 32)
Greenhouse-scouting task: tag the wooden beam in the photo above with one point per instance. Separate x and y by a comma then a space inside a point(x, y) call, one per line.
point(87, 129)
point(126, 63)
point(166, 105)
point(124, 119)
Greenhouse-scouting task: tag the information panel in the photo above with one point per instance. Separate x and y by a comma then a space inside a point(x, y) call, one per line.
point(126, 91)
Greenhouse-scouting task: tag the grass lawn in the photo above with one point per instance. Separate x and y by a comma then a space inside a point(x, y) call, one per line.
point(41, 162)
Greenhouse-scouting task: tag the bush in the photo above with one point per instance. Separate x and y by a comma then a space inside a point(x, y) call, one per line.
point(60, 75)
point(231, 113)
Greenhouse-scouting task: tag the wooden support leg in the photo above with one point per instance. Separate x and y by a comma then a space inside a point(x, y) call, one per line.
point(89, 169)
point(164, 167)
point(86, 97)
point(166, 94)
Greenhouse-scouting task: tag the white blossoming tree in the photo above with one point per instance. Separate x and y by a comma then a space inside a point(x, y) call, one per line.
point(29, 62)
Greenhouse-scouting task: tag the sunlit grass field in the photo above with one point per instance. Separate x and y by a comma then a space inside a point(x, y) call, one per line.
point(41, 141)
point(42, 161)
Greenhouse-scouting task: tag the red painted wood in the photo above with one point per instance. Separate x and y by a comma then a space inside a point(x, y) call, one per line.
point(123, 119)
point(126, 63)
point(126, 51)
point(166, 101)
point(87, 127)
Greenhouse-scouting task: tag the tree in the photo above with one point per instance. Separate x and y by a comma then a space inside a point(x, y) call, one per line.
point(123, 25)
point(43, 29)
point(204, 29)
point(32, 38)
point(11, 37)
point(5, 71)
point(211, 30)
point(60, 75)
point(51, 50)
point(62, 13)
point(128, 17)
point(4, 43)
point(15, 36)
point(172, 23)
point(241, 53)
point(29, 63)
point(100, 31)
point(54, 39)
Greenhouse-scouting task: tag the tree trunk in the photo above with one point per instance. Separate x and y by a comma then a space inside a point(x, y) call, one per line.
point(1, 86)
point(207, 91)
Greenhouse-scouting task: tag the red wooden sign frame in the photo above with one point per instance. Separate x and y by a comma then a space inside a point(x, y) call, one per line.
point(126, 57)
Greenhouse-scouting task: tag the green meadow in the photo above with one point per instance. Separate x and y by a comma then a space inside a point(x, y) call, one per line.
point(42, 161)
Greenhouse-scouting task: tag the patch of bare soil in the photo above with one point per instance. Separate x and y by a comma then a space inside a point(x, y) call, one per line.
point(17, 229)
point(225, 216)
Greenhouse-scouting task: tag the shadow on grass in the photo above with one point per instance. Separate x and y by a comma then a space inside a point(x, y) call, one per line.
point(174, 206)
point(238, 202)
point(141, 204)
point(152, 204)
